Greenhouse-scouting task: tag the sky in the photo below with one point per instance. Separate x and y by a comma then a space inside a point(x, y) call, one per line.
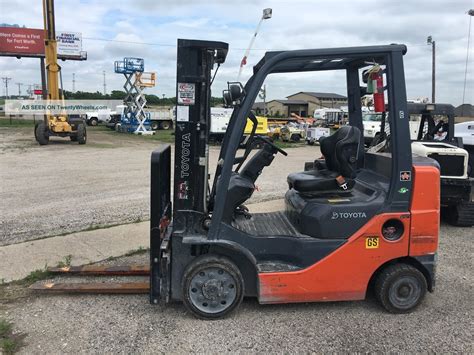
point(113, 29)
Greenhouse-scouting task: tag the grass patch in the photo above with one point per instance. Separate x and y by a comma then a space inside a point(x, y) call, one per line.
point(66, 261)
point(37, 275)
point(16, 123)
point(138, 251)
point(10, 343)
point(160, 135)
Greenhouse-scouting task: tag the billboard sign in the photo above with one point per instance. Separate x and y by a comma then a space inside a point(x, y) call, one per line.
point(18, 41)
point(21, 41)
point(69, 43)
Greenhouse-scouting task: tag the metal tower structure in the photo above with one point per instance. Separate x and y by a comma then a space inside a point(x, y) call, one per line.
point(134, 117)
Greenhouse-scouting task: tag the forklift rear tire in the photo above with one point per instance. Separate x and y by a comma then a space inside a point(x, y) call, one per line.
point(212, 287)
point(400, 288)
point(81, 134)
point(41, 134)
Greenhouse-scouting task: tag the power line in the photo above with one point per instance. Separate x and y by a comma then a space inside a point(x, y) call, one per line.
point(6, 80)
point(174, 45)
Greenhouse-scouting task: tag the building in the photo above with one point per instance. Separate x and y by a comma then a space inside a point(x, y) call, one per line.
point(304, 103)
point(464, 110)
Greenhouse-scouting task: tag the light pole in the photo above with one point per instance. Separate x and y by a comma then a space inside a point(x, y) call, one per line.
point(429, 41)
point(267, 14)
point(263, 95)
point(470, 13)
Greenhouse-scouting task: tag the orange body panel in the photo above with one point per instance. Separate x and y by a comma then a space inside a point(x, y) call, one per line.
point(425, 207)
point(345, 273)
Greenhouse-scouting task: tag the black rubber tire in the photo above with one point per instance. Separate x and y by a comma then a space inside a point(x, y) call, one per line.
point(41, 133)
point(93, 121)
point(81, 134)
point(73, 138)
point(310, 142)
point(295, 138)
point(154, 125)
point(392, 279)
point(202, 263)
point(460, 215)
point(166, 125)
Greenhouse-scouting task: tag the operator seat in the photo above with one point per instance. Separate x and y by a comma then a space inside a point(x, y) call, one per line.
point(242, 184)
point(341, 151)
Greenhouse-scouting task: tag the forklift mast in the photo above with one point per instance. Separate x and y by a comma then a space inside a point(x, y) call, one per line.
point(195, 61)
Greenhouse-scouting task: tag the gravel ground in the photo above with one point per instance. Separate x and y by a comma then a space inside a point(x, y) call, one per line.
point(33, 206)
point(63, 187)
point(129, 324)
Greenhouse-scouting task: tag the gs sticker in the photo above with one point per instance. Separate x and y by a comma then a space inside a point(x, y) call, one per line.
point(372, 242)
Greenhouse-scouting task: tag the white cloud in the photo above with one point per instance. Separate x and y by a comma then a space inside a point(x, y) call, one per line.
point(295, 24)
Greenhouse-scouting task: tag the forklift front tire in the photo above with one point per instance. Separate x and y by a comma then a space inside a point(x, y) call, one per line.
point(81, 134)
point(40, 134)
point(212, 287)
point(400, 288)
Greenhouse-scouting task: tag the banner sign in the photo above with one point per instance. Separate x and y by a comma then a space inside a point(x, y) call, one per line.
point(56, 107)
point(30, 41)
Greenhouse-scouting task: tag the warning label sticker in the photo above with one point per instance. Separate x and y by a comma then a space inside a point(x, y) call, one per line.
point(186, 93)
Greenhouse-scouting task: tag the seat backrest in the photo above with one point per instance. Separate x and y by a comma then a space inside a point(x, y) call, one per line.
point(341, 151)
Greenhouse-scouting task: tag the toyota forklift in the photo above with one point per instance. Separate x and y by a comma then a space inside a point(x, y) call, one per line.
point(353, 222)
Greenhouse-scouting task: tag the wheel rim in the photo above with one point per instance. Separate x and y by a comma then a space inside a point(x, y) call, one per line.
point(212, 290)
point(405, 292)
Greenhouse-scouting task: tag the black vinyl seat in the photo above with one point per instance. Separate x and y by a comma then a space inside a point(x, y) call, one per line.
point(341, 152)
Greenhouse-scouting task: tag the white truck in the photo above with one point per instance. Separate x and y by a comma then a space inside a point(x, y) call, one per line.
point(160, 118)
point(465, 130)
point(220, 118)
point(94, 118)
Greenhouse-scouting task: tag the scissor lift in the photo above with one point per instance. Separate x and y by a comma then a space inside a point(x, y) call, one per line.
point(134, 117)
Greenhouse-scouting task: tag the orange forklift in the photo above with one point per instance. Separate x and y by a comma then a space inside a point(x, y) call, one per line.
point(354, 222)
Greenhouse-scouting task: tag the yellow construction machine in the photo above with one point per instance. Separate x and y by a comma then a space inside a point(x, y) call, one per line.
point(55, 124)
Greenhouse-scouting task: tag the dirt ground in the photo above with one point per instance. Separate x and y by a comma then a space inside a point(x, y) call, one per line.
point(63, 187)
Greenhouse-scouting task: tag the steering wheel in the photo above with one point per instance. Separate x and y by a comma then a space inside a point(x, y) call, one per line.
point(270, 143)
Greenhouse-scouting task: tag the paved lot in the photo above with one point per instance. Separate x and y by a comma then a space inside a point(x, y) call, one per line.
point(107, 182)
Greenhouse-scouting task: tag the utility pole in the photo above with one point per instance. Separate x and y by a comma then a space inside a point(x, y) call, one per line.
point(470, 13)
point(19, 88)
point(263, 95)
point(429, 41)
point(73, 82)
point(6, 80)
point(105, 85)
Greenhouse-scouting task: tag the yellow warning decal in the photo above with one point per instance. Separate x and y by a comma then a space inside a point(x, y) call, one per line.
point(372, 242)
